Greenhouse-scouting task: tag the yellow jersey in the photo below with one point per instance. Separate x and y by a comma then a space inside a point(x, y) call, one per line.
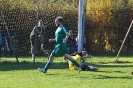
point(71, 65)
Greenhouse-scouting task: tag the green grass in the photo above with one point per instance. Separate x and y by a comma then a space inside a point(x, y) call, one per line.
point(111, 74)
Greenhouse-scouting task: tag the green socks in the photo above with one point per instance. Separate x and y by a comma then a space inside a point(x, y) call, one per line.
point(47, 66)
point(75, 63)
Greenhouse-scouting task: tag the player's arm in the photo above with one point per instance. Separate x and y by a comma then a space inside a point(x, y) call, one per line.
point(34, 31)
point(51, 40)
point(66, 38)
point(65, 33)
point(43, 31)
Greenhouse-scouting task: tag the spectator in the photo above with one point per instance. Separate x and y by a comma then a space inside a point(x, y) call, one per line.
point(0, 44)
point(71, 43)
point(38, 31)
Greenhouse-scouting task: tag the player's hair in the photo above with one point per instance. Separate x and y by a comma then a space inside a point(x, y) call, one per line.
point(60, 19)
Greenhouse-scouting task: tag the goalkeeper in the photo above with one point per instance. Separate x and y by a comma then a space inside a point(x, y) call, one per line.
point(79, 58)
point(38, 31)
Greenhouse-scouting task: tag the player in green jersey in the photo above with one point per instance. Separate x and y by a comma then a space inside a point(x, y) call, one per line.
point(61, 36)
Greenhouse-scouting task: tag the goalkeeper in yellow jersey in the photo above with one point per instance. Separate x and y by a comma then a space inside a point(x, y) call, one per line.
point(79, 58)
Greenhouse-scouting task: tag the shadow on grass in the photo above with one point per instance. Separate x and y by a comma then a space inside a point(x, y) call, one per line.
point(26, 65)
point(106, 77)
point(116, 62)
point(8, 66)
point(112, 77)
point(111, 71)
point(111, 65)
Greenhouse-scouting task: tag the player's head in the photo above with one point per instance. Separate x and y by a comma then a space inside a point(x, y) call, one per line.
point(70, 33)
point(84, 66)
point(84, 53)
point(58, 21)
point(40, 23)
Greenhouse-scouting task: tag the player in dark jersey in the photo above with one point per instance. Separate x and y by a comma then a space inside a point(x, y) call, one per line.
point(38, 31)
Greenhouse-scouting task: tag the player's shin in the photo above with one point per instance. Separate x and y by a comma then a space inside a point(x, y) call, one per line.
point(75, 63)
point(47, 66)
point(48, 63)
point(67, 56)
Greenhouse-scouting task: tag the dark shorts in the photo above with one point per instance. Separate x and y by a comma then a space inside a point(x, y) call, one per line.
point(32, 40)
point(60, 50)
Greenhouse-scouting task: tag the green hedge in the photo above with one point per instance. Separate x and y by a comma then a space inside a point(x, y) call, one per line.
point(106, 29)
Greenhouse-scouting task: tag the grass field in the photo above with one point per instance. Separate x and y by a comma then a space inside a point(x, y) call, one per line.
point(26, 75)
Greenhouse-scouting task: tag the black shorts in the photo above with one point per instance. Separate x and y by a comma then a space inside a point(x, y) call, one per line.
point(32, 40)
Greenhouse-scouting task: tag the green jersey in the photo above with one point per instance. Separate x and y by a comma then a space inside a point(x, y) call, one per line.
point(60, 48)
point(60, 34)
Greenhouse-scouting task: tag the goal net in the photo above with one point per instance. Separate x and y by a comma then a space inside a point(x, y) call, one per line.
point(21, 16)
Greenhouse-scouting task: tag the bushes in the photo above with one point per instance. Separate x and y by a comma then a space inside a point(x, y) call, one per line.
point(107, 25)
point(121, 19)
